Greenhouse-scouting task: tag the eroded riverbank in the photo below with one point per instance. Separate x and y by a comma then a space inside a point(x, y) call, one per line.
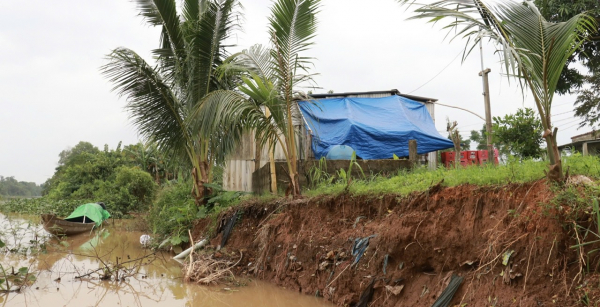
point(510, 245)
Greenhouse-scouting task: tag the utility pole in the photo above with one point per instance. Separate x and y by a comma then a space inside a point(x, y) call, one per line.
point(488, 113)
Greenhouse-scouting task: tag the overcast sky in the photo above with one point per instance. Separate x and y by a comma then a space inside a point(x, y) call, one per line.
point(52, 95)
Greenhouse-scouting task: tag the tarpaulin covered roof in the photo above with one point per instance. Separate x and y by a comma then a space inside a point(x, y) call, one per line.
point(376, 128)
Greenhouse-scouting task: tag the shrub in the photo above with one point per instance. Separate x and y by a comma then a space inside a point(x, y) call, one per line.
point(173, 212)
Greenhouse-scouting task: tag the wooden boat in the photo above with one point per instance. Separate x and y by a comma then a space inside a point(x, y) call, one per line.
point(60, 227)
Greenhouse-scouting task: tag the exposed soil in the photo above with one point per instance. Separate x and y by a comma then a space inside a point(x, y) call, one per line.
point(305, 245)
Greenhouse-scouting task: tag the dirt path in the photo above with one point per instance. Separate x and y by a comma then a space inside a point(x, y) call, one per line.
point(421, 241)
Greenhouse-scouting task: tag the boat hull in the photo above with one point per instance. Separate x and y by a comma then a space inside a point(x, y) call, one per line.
point(60, 227)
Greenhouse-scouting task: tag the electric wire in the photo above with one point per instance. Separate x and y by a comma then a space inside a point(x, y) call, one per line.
point(562, 119)
point(436, 74)
point(576, 121)
point(576, 124)
point(562, 113)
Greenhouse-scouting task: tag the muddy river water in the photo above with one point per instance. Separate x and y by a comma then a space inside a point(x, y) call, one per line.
point(146, 279)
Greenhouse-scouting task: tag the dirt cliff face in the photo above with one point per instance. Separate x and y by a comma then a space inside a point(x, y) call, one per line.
point(508, 244)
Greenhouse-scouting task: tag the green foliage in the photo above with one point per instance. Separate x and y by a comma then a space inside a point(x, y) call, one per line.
point(480, 137)
point(15, 280)
point(346, 176)
point(318, 173)
point(161, 165)
point(520, 134)
point(588, 102)
point(131, 190)
point(10, 187)
point(175, 211)
point(420, 179)
point(75, 154)
point(86, 174)
point(589, 55)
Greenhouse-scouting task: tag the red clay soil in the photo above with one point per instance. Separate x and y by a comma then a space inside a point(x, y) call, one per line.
point(305, 245)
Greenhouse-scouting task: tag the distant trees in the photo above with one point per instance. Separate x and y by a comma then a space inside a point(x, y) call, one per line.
point(11, 187)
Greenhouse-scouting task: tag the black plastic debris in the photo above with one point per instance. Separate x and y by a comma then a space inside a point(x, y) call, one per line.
point(228, 228)
point(359, 247)
point(448, 294)
point(366, 295)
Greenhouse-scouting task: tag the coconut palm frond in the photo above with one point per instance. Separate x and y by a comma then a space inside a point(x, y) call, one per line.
point(153, 107)
point(205, 49)
point(292, 26)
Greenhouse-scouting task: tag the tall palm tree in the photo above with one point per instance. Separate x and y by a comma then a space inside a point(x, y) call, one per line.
point(161, 98)
point(532, 49)
point(267, 99)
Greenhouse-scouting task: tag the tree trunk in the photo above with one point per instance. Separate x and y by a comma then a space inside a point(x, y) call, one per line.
point(555, 172)
point(200, 178)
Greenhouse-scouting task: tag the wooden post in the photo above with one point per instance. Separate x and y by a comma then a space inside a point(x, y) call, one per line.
point(488, 114)
point(412, 151)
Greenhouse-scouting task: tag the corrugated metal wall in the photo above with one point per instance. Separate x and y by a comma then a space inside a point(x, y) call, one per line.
point(432, 156)
point(237, 175)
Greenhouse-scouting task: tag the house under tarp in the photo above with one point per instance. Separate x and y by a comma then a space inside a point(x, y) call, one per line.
point(376, 128)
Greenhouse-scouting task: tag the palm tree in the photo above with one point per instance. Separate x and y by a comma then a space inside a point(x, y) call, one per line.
point(161, 98)
point(267, 99)
point(532, 49)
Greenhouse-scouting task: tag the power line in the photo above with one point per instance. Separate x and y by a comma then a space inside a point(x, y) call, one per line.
point(571, 126)
point(568, 123)
point(561, 104)
point(436, 74)
point(562, 119)
point(562, 113)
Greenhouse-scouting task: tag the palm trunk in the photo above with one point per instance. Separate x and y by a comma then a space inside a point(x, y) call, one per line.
point(201, 174)
point(555, 172)
point(293, 160)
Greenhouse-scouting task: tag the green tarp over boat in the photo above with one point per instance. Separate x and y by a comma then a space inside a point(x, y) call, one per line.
point(91, 211)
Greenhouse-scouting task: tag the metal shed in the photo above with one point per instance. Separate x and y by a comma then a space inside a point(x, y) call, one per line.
point(237, 175)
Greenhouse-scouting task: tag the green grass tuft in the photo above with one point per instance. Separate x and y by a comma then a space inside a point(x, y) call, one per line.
point(420, 179)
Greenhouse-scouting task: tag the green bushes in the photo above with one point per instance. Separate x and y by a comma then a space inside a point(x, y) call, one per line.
point(173, 213)
point(175, 210)
point(132, 190)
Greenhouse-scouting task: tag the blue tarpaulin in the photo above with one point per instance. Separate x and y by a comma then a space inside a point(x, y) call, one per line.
point(376, 128)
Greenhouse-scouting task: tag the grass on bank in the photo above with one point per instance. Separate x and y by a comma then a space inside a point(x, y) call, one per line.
point(420, 179)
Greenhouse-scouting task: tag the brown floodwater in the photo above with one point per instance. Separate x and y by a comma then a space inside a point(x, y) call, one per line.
point(146, 279)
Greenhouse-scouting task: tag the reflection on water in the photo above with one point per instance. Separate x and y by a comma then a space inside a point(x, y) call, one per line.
point(158, 283)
